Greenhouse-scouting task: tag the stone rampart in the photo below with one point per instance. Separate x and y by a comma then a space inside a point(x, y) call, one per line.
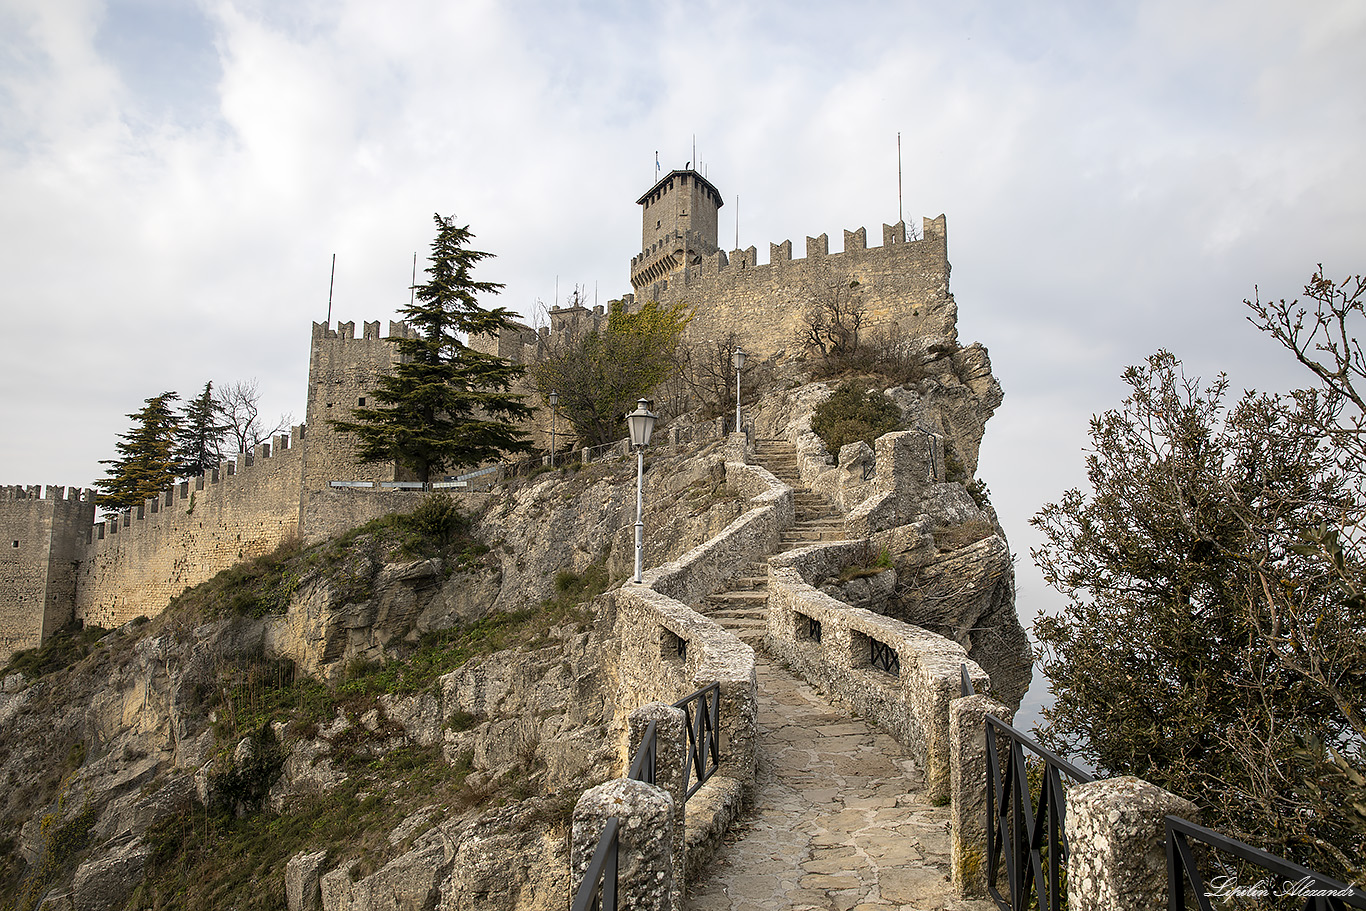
point(38, 556)
point(136, 562)
point(832, 644)
point(903, 288)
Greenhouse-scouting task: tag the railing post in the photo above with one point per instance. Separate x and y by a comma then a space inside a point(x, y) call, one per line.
point(1117, 842)
point(645, 853)
point(671, 745)
point(968, 786)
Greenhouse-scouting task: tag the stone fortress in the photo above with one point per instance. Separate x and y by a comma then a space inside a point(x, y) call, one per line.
point(59, 566)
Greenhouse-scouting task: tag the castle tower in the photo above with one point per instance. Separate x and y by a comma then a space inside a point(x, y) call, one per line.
point(677, 227)
point(343, 372)
point(44, 541)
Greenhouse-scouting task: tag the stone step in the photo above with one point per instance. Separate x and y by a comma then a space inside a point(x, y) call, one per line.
point(731, 598)
point(740, 627)
point(724, 617)
point(748, 634)
point(748, 583)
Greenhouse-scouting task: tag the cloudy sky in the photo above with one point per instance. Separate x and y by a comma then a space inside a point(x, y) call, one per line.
point(175, 176)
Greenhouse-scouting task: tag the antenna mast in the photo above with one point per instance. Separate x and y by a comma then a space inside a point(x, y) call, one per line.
point(412, 297)
point(330, 283)
point(901, 219)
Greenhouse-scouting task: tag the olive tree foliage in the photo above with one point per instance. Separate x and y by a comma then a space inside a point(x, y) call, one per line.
point(600, 375)
point(1215, 639)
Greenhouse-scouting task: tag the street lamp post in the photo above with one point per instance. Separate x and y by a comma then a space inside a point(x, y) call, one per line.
point(738, 359)
point(554, 413)
point(641, 423)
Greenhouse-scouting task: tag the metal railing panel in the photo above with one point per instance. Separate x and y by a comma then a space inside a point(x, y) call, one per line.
point(643, 764)
point(703, 755)
point(1027, 837)
point(1286, 883)
point(598, 891)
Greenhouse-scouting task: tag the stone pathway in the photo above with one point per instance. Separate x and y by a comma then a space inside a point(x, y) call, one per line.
point(839, 821)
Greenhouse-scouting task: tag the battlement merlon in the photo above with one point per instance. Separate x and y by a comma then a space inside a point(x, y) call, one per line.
point(52, 493)
point(346, 331)
point(655, 259)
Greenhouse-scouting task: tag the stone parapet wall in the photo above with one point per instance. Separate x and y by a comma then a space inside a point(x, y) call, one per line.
point(669, 651)
point(141, 559)
point(834, 653)
point(700, 571)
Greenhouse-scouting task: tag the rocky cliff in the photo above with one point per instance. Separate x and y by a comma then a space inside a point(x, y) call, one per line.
point(405, 716)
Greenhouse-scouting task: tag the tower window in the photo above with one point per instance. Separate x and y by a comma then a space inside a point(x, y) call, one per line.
point(362, 401)
point(16, 543)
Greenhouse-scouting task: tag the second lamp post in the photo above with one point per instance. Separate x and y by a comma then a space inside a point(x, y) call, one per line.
point(641, 423)
point(554, 398)
point(738, 361)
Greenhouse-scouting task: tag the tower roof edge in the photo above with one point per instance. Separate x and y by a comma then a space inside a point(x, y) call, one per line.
point(690, 173)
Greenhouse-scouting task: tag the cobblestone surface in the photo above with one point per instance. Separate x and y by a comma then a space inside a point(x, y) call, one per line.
point(839, 821)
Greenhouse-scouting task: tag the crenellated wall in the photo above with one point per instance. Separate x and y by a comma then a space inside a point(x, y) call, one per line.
point(39, 554)
point(343, 372)
point(136, 562)
point(903, 288)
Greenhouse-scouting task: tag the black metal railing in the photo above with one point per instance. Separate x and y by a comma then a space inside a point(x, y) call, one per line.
point(884, 657)
point(644, 762)
point(598, 891)
point(1025, 836)
point(702, 709)
point(1278, 883)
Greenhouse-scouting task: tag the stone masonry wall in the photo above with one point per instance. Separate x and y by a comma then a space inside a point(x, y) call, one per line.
point(342, 374)
point(137, 562)
point(38, 557)
point(903, 286)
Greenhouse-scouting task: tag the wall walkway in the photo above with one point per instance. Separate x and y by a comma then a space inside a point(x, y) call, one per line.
point(840, 819)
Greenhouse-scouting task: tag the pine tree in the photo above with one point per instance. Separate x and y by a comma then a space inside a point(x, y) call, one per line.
point(445, 405)
point(199, 438)
point(146, 465)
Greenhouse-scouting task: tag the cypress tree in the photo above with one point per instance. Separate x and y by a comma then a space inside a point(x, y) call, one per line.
point(146, 464)
point(445, 405)
point(199, 438)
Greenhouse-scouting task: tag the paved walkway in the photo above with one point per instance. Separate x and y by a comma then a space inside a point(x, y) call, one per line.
point(839, 821)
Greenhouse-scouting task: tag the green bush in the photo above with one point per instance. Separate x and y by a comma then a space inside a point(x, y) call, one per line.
point(66, 647)
point(854, 413)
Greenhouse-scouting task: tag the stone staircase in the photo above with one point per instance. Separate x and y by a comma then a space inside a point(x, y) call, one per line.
point(840, 819)
point(742, 606)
